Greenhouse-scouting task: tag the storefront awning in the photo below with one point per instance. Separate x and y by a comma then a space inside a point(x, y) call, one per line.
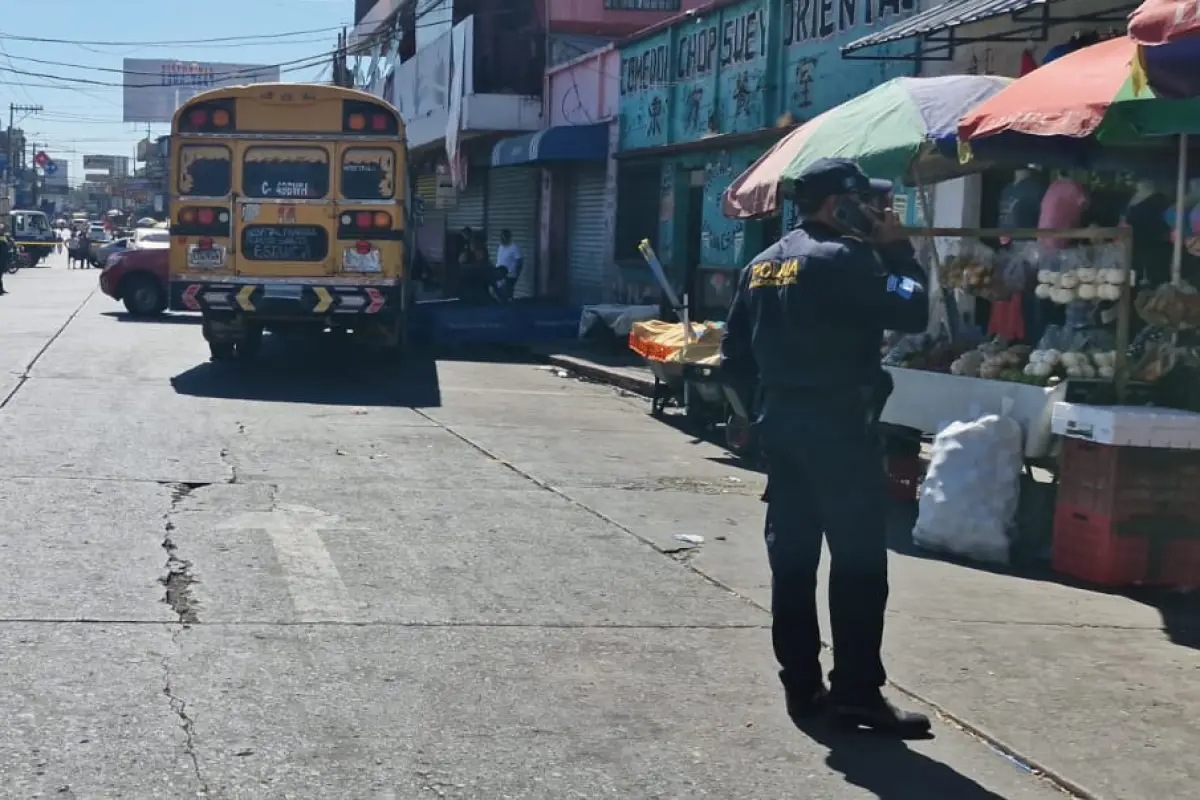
point(560, 143)
point(937, 35)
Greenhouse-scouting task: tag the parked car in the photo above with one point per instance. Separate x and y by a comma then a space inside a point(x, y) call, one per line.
point(140, 239)
point(138, 277)
point(99, 253)
point(151, 238)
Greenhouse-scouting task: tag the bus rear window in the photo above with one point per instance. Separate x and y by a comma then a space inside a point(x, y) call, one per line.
point(368, 173)
point(286, 173)
point(205, 170)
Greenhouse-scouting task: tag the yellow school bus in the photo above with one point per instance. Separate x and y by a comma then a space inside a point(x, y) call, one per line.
point(288, 210)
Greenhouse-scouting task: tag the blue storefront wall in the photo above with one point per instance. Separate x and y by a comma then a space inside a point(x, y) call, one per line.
point(702, 77)
point(736, 70)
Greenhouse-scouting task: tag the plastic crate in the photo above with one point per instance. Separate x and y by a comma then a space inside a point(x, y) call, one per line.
point(905, 473)
point(1125, 483)
point(1092, 548)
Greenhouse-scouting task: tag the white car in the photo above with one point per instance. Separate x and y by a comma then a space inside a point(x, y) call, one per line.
point(151, 239)
point(97, 234)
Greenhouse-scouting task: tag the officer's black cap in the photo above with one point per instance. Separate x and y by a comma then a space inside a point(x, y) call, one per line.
point(828, 177)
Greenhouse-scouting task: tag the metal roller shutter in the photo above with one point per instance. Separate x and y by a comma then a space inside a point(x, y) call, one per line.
point(585, 235)
point(431, 233)
point(468, 208)
point(513, 204)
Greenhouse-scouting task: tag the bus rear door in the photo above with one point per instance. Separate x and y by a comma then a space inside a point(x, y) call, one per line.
point(284, 210)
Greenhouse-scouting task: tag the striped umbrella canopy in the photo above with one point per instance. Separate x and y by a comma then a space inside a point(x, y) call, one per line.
point(891, 131)
point(1168, 37)
point(1157, 22)
point(1082, 105)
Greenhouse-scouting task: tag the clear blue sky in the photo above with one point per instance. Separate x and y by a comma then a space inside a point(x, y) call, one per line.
point(81, 118)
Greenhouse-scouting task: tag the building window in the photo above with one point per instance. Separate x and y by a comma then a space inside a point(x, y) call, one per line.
point(642, 5)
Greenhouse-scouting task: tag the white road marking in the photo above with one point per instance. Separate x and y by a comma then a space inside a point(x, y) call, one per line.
point(314, 583)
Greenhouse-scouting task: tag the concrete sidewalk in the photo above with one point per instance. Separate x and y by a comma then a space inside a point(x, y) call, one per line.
point(623, 370)
point(1098, 690)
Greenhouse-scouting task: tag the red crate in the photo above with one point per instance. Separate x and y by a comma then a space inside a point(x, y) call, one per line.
point(1123, 483)
point(1092, 548)
point(905, 474)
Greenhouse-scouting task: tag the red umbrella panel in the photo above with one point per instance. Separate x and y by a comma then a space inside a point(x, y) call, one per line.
point(1158, 22)
point(1168, 35)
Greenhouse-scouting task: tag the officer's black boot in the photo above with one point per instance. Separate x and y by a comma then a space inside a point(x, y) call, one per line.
point(878, 714)
point(807, 703)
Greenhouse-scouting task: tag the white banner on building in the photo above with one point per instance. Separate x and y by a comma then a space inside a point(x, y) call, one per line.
point(154, 88)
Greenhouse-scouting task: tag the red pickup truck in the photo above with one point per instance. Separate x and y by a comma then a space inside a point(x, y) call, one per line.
point(139, 278)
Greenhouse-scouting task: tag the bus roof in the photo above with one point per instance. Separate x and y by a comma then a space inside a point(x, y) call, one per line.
point(254, 91)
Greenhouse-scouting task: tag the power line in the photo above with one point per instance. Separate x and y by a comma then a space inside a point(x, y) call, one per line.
point(309, 62)
point(169, 42)
point(216, 75)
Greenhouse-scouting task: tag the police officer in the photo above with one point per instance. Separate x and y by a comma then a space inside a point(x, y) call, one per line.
point(807, 320)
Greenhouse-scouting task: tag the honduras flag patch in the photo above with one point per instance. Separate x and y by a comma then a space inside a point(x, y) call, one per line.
point(905, 287)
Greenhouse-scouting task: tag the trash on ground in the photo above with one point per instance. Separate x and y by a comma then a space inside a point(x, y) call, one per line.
point(689, 538)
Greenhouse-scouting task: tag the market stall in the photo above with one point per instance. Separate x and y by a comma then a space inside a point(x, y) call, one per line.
point(1019, 370)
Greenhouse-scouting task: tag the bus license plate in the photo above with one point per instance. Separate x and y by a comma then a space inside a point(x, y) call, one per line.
point(283, 291)
point(354, 261)
point(206, 257)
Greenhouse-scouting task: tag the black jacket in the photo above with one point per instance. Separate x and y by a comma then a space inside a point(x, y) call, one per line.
point(810, 311)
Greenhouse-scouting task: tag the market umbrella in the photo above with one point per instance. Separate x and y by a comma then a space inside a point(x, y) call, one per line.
point(1168, 35)
point(1081, 106)
point(1081, 111)
point(890, 131)
point(1157, 22)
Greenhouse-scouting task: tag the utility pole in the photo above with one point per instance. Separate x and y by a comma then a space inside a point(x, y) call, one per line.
point(13, 108)
point(33, 184)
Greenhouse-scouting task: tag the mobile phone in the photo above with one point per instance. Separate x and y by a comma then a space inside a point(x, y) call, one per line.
point(854, 217)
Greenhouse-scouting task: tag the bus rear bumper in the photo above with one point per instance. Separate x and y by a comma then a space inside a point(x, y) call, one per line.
point(335, 303)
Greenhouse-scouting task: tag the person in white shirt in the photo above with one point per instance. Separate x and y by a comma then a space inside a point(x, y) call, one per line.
point(509, 258)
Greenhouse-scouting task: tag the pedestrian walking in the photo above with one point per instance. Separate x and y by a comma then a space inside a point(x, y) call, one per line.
point(806, 323)
point(8, 254)
point(511, 260)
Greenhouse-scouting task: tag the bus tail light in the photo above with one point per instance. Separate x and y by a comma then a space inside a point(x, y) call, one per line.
point(206, 117)
point(383, 219)
point(362, 248)
point(369, 118)
point(201, 221)
point(205, 243)
point(363, 220)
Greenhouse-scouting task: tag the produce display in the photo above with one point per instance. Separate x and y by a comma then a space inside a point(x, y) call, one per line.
point(1062, 353)
point(995, 359)
point(1082, 283)
point(1174, 307)
point(1051, 364)
point(978, 270)
point(925, 352)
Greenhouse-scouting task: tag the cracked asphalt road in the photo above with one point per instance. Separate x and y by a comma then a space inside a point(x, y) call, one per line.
point(317, 579)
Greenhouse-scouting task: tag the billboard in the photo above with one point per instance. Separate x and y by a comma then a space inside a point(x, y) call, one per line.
point(111, 165)
point(56, 177)
point(154, 88)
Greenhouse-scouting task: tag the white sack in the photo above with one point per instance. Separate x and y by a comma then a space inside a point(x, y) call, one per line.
point(969, 498)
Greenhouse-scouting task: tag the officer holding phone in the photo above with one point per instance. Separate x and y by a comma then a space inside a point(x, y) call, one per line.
point(807, 319)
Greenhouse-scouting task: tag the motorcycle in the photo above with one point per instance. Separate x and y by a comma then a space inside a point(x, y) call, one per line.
point(20, 260)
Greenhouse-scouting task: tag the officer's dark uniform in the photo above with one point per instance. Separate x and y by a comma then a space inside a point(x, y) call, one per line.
point(807, 321)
